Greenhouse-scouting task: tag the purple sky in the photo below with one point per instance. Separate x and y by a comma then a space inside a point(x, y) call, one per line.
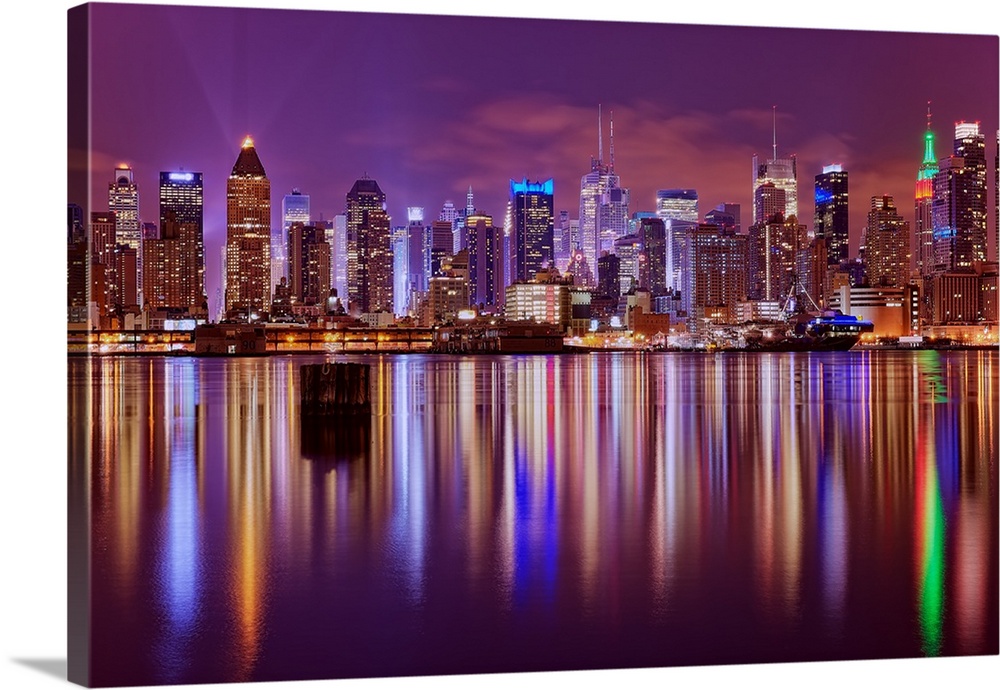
point(428, 105)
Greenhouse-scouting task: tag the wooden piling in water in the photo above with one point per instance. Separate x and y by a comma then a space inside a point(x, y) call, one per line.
point(334, 388)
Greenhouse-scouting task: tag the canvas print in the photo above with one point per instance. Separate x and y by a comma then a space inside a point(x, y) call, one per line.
point(407, 345)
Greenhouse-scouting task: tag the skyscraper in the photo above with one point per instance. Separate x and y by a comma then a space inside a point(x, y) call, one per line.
point(416, 275)
point(773, 248)
point(782, 173)
point(970, 146)
point(369, 257)
point(959, 203)
point(485, 261)
point(532, 215)
point(677, 204)
point(653, 266)
point(923, 224)
point(123, 200)
point(182, 200)
point(604, 202)
point(717, 279)
point(308, 263)
point(248, 236)
point(294, 209)
point(171, 268)
point(887, 245)
point(831, 216)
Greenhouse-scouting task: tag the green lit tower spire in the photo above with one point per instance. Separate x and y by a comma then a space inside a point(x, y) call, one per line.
point(924, 227)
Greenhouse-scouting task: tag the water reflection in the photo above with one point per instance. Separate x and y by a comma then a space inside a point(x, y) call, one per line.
point(540, 512)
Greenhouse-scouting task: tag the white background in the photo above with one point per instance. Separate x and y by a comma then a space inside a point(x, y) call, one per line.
point(32, 370)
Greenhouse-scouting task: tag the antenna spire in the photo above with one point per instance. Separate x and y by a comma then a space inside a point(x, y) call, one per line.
point(600, 137)
point(612, 141)
point(774, 131)
point(928, 116)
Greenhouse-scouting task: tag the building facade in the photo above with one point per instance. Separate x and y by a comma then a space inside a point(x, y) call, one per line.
point(831, 219)
point(532, 217)
point(248, 236)
point(369, 256)
point(887, 245)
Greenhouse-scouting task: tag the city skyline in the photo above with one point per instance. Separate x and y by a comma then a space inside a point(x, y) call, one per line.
point(673, 130)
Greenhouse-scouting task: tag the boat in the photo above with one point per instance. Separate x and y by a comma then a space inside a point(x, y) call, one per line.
point(826, 331)
point(807, 331)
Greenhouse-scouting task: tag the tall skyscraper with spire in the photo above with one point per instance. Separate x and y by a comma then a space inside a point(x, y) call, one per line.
point(781, 172)
point(923, 220)
point(248, 236)
point(603, 202)
point(369, 255)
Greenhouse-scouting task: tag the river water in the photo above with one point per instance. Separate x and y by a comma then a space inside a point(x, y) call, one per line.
point(516, 513)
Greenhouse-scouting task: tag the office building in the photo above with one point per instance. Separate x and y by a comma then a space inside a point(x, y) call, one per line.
point(677, 204)
point(604, 203)
point(772, 255)
point(887, 245)
point(831, 220)
point(782, 173)
point(369, 258)
point(294, 209)
point(653, 260)
point(485, 261)
point(171, 280)
point(532, 221)
point(717, 279)
point(308, 264)
point(248, 237)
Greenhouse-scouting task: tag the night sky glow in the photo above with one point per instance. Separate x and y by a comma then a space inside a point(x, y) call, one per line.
point(429, 105)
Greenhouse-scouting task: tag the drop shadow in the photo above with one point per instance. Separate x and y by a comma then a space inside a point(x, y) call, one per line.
point(57, 668)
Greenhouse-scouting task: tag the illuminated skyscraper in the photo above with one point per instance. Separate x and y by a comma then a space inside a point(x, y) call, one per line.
point(438, 245)
point(123, 201)
point(653, 263)
point(308, 263)
point(782, 173)
point(337, 237)
point(182, 200)
point(677, 204)
point(959, 203)
point(102, 264)
point(532, 216)
point(294, 209)
point(887, 245)
point(772, 248)
point(248, 236)
point(717, 279)
point(726, 216)
point(171, 268)
point(369, 256)
point(970, 146)
point(485, 260)
point(923, 225)
point(604, 203)
point(831, 217)
point(416, 275)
